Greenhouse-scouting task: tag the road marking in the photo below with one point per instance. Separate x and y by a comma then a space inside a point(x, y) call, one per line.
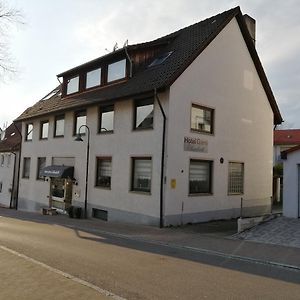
point(64, 274)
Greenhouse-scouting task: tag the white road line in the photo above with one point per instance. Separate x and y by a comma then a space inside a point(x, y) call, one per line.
point(64, 274)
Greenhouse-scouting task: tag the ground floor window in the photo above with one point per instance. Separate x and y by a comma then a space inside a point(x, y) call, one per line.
point(26, 167)
point(236, 178)
point(200, 176)
point(141, 174)
point(41, 163)
point(103, 176)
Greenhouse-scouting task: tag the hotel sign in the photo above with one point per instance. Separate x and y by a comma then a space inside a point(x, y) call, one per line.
point(195, 144)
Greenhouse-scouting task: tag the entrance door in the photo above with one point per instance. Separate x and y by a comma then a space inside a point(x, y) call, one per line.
point(60, 193)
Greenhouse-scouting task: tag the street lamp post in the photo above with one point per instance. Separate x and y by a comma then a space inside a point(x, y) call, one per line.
point(79, 139)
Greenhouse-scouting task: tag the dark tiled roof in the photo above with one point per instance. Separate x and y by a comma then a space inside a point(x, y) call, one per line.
point(287, 137)
point(185, 44)
point(12, 138)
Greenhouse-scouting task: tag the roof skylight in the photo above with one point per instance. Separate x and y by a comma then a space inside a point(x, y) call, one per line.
point(51, 94)
point(160, 59)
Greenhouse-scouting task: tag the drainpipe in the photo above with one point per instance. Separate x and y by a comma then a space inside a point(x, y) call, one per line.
point(130, 62)
point(13, 182)
point(19, 166)
point(161, 216)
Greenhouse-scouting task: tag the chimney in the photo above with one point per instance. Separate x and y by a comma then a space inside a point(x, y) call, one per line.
point(250, 22)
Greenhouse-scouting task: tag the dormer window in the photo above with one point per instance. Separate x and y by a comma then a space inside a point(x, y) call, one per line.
point(93, 78)
point(116, 70)
point(73, 85)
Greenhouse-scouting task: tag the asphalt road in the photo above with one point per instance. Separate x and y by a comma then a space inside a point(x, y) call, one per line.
point(140, 270)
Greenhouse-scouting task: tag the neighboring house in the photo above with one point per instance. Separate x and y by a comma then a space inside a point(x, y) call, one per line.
point(291, 182)
point(181, 128)
point(10, 143)
point(283, 140)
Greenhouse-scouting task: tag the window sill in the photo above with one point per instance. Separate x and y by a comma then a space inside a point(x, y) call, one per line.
point(140, 192)
point(235, 194)
point(102, 187)
point(58, 136)
point(200, 194)
point(106, 132)
point(143, 129)
point(202, 132)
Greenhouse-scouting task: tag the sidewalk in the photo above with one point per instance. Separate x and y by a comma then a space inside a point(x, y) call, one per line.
point(17, 272)
point(210, 238)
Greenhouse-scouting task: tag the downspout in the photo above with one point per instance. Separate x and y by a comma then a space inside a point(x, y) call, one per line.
point(19, 166)
point(13, 182)
point(162, 167)
point(130, 62)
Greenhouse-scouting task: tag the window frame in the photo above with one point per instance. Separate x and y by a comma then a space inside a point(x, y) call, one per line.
point(2, 159)
point(229, 192)
point(98, 159)
point(100, 78)
point(27, 133)
point(29, 165)
point(79, 113)
point(68, 81)
point(38, 168)
point(42, 123)
point(141, 103)
point(212, 123)
point(132, 188)
point(58, 118)
point(107, 71)
point(211, 170)
point(103, 109)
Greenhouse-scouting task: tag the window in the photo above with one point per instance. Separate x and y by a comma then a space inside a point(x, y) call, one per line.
point(200, 176)
point(1, 186)
point(236, 178)
point(29, 129)
point(41, 163)
point(80, 119)
point(59, 126)
point(103, 176)
point(44, 130)
point(116, 70)
point(2, 160)
point(26, 167)
point(160, 59)
point(141, 174)
point(202, 119)
point(93, 78)
point(73, 85)
point(143, 114)
point(8, 160)
point(106, 119)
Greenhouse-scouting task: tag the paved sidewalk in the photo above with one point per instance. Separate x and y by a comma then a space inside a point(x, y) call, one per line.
point(209, 238)
point(17, 272)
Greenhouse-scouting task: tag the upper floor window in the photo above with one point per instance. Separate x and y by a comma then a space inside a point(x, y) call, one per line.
point(26, 167)
point(93, 78)
point(8, 159)
point(72, 85)
point(106, 119)
point(143, 114)
point(116, 70)
point(2, 160)
point(202, 119)
point(236, 178)
point(200, 176)
point(80, 119)
point(59, 126)
point(28, 134)
point(44, 130)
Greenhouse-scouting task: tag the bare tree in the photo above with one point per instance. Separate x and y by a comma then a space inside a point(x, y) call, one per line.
point(8, 18)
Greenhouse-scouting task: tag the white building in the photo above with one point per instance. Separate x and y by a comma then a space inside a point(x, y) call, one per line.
point(180, 129)
point(10, 141)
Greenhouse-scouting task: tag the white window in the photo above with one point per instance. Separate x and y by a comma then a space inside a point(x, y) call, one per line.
point(26, 167)
point(29, 130)
point(106, 119)
point(59, 126)
point(44, 130)
point(41, 163)
point(236, 178)
point(202, 119)
point(143, 114)
point(93, 78)
point(141, 174)
point(116, 70)
point(80, 119)
point(73, 85)
point(200, 177)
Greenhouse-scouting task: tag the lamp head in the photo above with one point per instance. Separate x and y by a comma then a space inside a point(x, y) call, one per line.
point(78, 138)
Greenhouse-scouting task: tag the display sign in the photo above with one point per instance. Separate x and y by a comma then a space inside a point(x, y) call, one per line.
point(195, 144)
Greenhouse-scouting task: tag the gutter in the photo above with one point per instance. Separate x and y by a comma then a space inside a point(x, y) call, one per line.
point(162, 169)
point(130, 62)
point(13, 182)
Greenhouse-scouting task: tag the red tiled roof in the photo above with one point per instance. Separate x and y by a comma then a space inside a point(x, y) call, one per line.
point(287, 137)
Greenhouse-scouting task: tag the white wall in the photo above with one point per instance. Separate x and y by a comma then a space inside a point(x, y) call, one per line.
point(224, 78)
point(121, 145)
point(291, 185)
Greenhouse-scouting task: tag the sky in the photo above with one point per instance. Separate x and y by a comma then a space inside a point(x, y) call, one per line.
point(56, 35)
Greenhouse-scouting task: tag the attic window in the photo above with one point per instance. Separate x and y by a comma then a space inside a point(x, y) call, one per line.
point(160, 59)
point(54, 92)
point(116, 70)
point(72, 85)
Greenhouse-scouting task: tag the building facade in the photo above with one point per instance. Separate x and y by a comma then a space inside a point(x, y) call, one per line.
point(178, 130)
